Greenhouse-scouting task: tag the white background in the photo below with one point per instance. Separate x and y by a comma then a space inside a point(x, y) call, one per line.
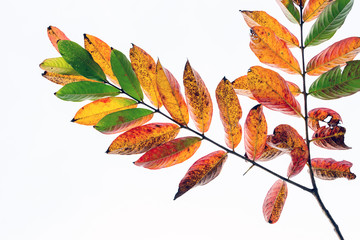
point(56, 182)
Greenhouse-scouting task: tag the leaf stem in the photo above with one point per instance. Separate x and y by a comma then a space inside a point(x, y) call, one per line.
point(315, 191)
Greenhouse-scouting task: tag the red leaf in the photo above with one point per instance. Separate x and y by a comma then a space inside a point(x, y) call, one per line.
point(320, 114)
point(274, 201)
point(55, 35)
point(330, 138)
point(329, 169)
point(202, 171)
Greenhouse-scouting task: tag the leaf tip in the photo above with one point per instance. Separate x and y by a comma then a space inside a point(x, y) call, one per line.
point(107, 151)
point(49, 27)
point(177, 195)
point(73, 120)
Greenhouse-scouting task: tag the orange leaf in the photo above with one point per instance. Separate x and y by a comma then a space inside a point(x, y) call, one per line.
point(271, 90)
point(230, 112)
point(100, 52)
point(320, 114)
point(287, 138)
point(202, 172)
point(314, 8)
point(270, 153)
point(274, 201)
point(93, 112)
point(241, 87)
point(273, 51)
point(255, 133)
point(330, 138)
point(63, 79)
point(55, 35)
point(297, 2)
point(143, 138)
point(170, 153)
point(261, 18)
point(329, 169)
point(171, 96)
point(337, 54)
point(145, 70)
point(198, 99)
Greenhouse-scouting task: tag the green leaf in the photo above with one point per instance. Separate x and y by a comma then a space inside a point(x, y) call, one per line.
point(80, 91)
point(58, 65)
point(123, 120)
point(126, 76)
point(290, 11)
point(334, 84)
point(329, 21)
point(81, 60)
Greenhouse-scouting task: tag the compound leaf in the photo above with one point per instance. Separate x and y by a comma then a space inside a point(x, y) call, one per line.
point(85, 90)
point(274, 201)
point(123, 120)
point(143, 138)
point(170, 153)
point(230, 112)
point(198, 99)
point(93, 112)
point(329, 21)
point(202, 172)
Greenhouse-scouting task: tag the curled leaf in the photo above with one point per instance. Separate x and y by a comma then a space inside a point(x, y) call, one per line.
point(123, 120)
point(271, 90)
point(287, 138)
point(274, 201)
point(143, 138)
point(101, 53)
point(202, 172)
point(170, 153)
point(145, 69)
point(289, 10)
point(329, 21)
point(336, 55)
point(198, 99)
point(270, 153)
point(171, 97)
point(242, 87)
point(320, 114)
point(255, 133)
point(329, 169)
point(314, 8)
point(330, 138)
point(273, 51)
point(261, 18)
point(64, 79)
point(230, 112)
point(55, 35)
point(334, 84)
point(92, 113)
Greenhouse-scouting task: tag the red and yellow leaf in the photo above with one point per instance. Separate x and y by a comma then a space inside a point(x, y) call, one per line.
point(63, 79)
point(287, 138)
point(55, 35)
point(170, 153)
point(271, 90)
point(320, 114)
point(330, 138)
point(230, 112)
point(270, 153)
point(274, 201)
point(171, 97)
point(329, 169)
point(314, 8)
point(101, 53)
point(198, 99)
point(255, 133)
point(261, 18)
point(202, 172)
point(145, 69)
point(273, 51)
point(241, 87)
point(92, 113)
point(337, 54)
point(143, 138)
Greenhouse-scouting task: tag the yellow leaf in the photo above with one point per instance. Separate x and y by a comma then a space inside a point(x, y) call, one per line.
point(314, 8)
point(145, 70)
point(198, 99)
point(171, 97)
point(230, 112)
point(63, 79)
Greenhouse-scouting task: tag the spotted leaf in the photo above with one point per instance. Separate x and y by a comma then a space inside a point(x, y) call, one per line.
point(330, 138)
point(274, 201)
point(329, 169)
